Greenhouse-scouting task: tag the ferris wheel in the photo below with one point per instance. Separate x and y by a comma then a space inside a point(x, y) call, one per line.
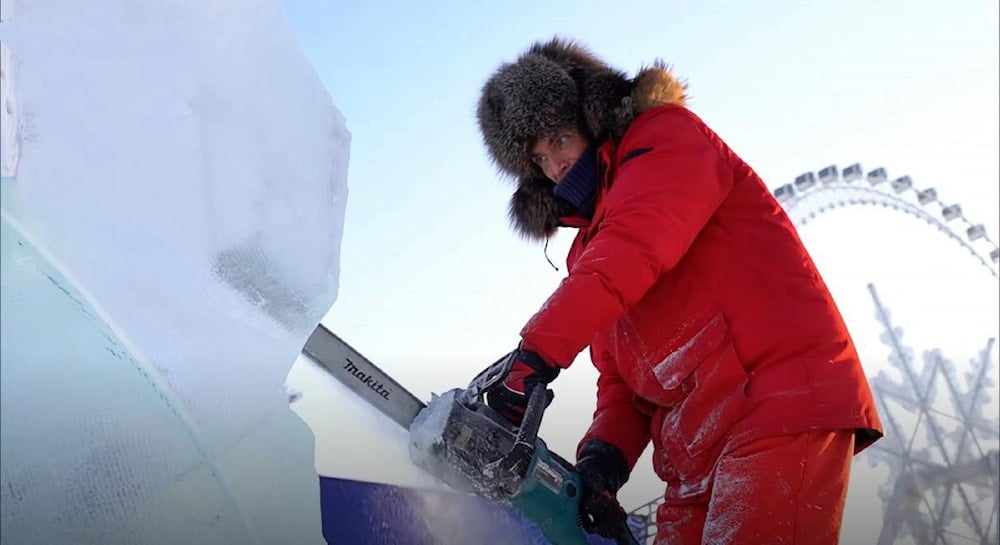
point(942, 444)
point(813, 193)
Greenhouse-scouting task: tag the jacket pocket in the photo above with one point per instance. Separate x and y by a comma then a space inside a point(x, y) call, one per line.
point(712, 390)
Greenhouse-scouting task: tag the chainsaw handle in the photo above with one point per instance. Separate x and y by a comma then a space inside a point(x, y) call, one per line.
point(527, 434)
point(486, 379)
point(538, 400)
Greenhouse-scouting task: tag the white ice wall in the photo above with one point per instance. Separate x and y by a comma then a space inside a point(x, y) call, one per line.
point(173, 200)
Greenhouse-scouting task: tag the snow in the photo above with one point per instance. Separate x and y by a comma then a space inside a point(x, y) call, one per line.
point(174, 184)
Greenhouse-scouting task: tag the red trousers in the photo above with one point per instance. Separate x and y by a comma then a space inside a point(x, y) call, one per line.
point(788, 490)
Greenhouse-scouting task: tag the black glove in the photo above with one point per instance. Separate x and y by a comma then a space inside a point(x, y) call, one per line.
point(603, 470)
point(509, 397)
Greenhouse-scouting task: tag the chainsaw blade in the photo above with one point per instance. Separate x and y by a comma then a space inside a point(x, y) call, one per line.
point(362, 376)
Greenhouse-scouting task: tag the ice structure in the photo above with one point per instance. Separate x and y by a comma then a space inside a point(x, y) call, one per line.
point(173, 193)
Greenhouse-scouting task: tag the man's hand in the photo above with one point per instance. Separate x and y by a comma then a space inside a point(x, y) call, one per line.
point(603, 470)
point(510, 396)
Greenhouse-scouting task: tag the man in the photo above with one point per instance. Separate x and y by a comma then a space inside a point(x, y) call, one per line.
point(714, 335)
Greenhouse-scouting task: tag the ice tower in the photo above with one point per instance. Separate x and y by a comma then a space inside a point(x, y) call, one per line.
point(173, 193)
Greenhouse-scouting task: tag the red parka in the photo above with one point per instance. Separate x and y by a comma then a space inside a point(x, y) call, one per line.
point(705, 316)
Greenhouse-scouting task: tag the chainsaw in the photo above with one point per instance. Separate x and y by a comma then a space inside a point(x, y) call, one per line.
point(461, 441)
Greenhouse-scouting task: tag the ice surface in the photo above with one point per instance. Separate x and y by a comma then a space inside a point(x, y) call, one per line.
point(174, 183)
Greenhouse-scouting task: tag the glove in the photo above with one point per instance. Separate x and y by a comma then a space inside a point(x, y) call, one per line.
point(603, 470)
point(509, 397)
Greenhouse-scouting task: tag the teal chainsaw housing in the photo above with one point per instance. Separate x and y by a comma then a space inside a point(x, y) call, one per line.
point(550, 497)
point(474, 449)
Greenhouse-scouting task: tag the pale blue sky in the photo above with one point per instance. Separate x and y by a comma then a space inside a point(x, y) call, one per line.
point(434, 286)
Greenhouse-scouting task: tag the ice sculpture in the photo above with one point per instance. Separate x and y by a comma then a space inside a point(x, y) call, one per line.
point(173, 192)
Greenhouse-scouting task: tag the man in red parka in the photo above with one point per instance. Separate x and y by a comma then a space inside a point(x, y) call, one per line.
point(714, 335)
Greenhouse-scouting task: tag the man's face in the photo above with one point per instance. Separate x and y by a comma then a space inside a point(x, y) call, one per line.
point(555, 155)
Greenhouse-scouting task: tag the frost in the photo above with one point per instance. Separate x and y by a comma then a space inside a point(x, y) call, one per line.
point(938, 448)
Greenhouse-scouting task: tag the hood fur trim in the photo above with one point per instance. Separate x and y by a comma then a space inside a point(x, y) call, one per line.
point(534, 210)
point(655, 86)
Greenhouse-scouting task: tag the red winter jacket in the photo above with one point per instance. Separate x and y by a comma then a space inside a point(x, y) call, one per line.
point(706, 317)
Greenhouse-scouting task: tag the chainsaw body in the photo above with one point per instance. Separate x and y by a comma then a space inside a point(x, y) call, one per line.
point(461, 441)
point(474, 449)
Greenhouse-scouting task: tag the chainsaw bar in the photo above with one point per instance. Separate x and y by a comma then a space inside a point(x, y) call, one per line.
point(362, 376)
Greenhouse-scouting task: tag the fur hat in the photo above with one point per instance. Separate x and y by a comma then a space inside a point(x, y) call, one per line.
point(552, 86)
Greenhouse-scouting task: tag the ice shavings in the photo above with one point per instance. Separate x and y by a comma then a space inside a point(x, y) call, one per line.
point(478, 520)
point(458, 448)
point(426, 444)
point(452, 519)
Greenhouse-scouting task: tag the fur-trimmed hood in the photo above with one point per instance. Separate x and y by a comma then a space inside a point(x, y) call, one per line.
point(552, 86)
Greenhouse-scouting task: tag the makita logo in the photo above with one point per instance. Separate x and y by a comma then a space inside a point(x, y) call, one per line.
point(375, 385)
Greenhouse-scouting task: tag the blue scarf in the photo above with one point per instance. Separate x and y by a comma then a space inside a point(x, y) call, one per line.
point(579, 186)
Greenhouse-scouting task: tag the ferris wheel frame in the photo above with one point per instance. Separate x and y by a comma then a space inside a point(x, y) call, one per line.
point(812, 194)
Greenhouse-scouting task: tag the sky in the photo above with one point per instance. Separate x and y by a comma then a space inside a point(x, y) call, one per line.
point(434, 285)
